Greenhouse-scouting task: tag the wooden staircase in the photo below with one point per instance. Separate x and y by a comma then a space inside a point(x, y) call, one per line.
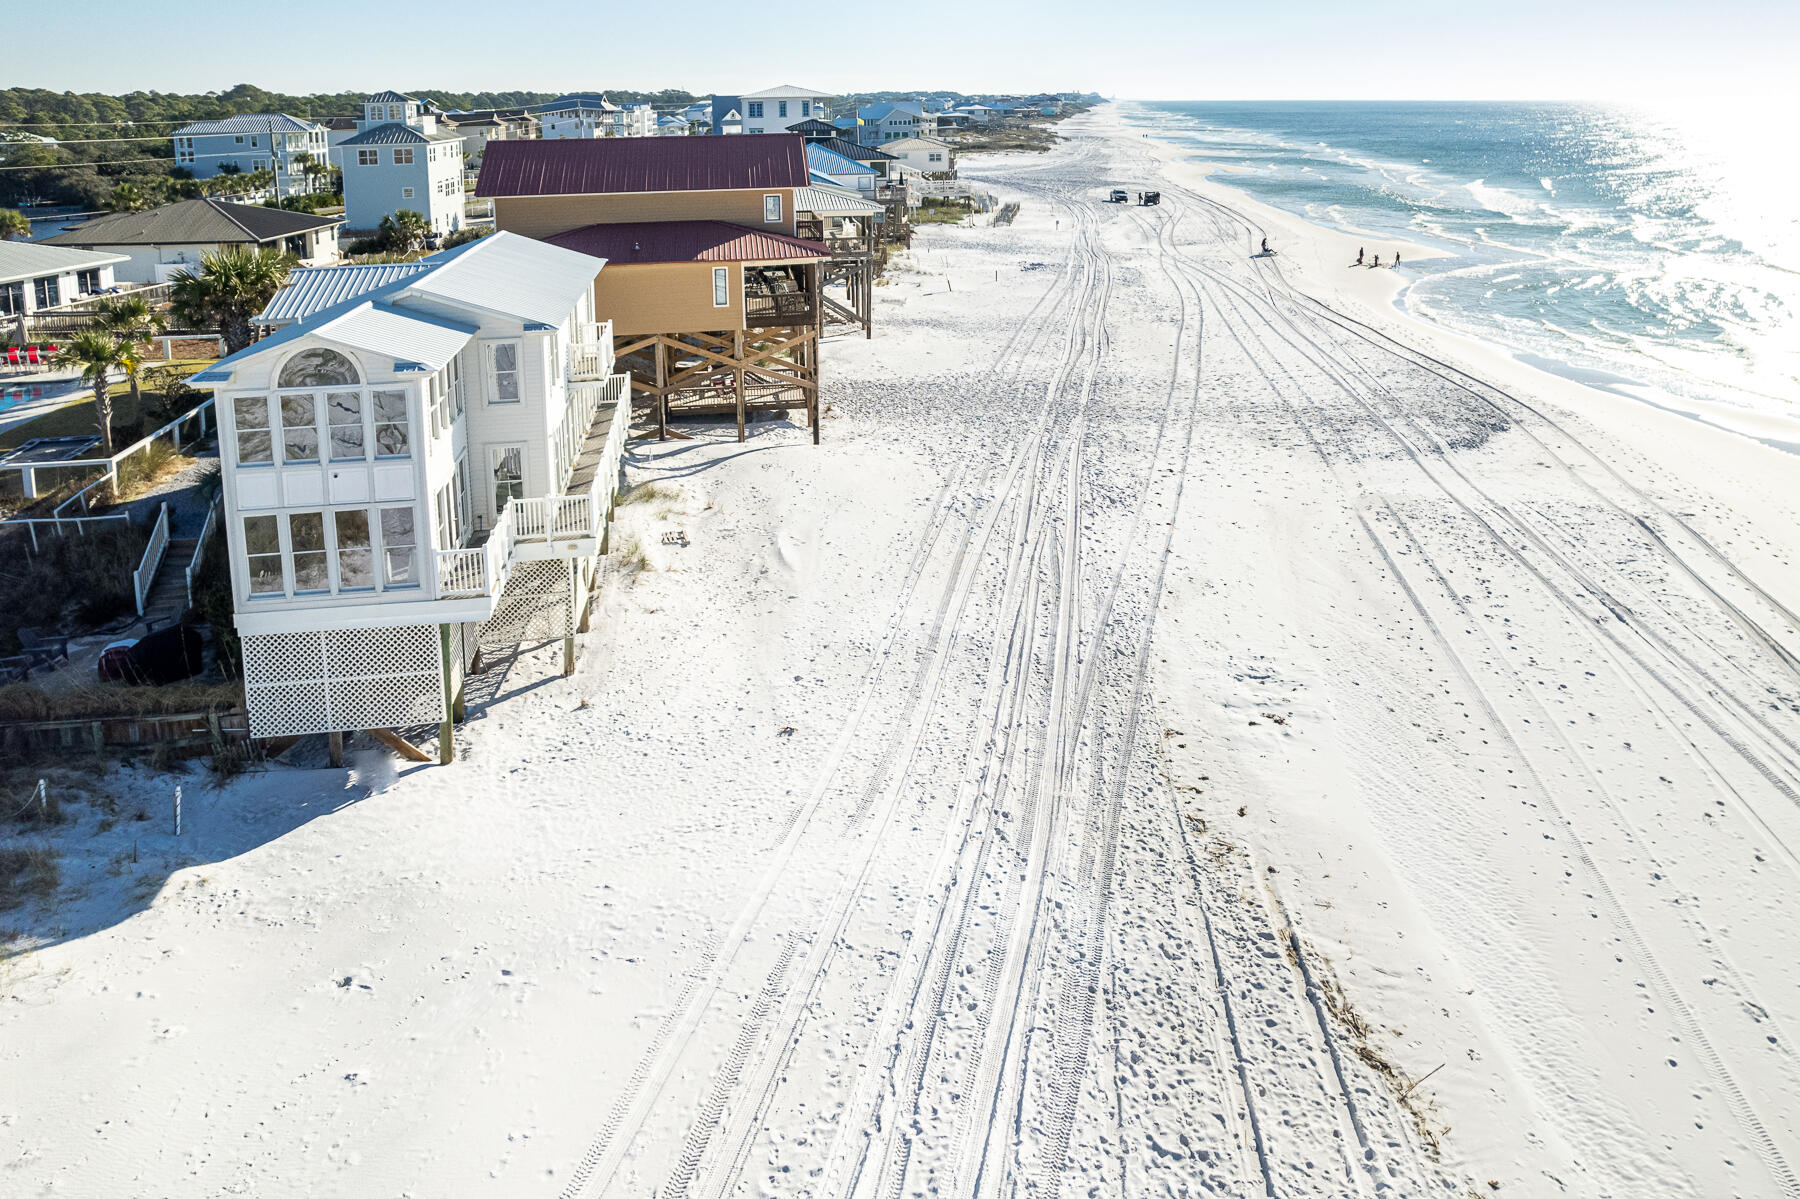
point(168, 597)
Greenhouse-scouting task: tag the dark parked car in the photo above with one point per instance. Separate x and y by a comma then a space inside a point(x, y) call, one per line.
point(164, 656)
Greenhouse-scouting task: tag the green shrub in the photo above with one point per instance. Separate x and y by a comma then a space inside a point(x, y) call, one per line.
point(92, 569)
point(27, 874)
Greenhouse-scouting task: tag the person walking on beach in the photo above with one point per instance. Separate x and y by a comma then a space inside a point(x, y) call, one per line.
point(1377, 260)
point(1359, 256)
point(1396, 259)
point(1265, 248)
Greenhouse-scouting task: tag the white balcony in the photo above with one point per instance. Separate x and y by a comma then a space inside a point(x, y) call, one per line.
point(587, 449)
point(591, 353)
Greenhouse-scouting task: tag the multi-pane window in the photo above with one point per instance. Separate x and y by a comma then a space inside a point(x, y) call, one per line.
point(508, 474)
point(399, 546)
point(403, 156)
point(721, 287)
point(772, 208)
point(406, 193)
point(49, 291)
point(87, 281)
point(355, 550)
point(344, 410)
point(393, 438)
point(781, 108)
point(12, 299)
point(262, 545)
point(306, 534)
point(299, 429)
point(253, 443)
point(456, 388)
point(367, 158)
point(503, 372)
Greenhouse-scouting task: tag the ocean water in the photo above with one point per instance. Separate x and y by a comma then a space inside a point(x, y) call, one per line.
point(1622, 245)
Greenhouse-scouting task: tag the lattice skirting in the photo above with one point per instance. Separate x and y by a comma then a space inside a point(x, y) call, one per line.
point(340, 680)
point(536, 606)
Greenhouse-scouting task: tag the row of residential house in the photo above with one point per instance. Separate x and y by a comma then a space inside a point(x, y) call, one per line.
point(404, 152)
point(418, 459)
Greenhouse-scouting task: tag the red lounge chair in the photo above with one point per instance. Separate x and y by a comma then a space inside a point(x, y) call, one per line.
point(12, 355)
point(31, 355)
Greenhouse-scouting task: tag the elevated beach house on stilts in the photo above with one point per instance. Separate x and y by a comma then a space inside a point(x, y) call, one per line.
point(714, 301)
point(419, 460)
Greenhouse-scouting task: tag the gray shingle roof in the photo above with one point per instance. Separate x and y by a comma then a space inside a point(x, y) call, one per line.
point(193, 222)
point(250, 122)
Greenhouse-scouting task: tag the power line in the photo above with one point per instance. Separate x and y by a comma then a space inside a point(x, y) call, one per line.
point(118, 162)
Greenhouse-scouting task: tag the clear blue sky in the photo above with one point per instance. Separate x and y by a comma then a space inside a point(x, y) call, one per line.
point(1159, 49)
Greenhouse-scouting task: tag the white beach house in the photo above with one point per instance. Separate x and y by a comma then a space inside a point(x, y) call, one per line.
point(586, 114)
point(402, 159)
point(256, 141)
point(927, 155)
point(34, 276)
point(775, 109)
point(416, 447)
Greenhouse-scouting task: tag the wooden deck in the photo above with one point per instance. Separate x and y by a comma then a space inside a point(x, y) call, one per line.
point(593, 451)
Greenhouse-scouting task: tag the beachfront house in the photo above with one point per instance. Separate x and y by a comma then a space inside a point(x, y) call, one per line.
point(34, 275)
point(878, 124)
point(479, 127)
point(158, 242)
point(927, 155)
point(256, 141)
point(714, 300)
point(416, 455)
point(831, 167)
point(774, 109)
point(868, 156)
point(580, 115)
point(402, 159)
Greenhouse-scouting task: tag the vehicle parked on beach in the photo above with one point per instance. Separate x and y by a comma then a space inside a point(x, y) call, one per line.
point(1153, 197)
point(1119, 196)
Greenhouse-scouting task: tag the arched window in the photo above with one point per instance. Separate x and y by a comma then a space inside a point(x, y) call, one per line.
point(318, 368)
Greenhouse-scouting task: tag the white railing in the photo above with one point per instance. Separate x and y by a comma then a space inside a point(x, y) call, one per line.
point(57, 523)
point(110, 466)
point(467, 573)
point(481, 570)
point(144, 577)
point(591, 356)
point(206, 532)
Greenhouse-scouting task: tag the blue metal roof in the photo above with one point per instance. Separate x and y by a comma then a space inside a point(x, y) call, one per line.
point(821, 161)
point(314, 289)
point(396, 134)
point(250, 122)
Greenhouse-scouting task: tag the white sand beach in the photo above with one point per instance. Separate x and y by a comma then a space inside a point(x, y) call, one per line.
point(1189, 730)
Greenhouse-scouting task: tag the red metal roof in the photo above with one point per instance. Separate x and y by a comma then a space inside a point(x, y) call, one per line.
point(603, 165)
point(685, 241)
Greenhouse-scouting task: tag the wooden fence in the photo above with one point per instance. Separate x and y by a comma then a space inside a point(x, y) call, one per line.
point(193, 732)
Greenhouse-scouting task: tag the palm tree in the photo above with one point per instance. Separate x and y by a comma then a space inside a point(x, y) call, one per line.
point(231, 288)
point(13, 224)
point(405, 231)
point(132, 322)
point(127, 197)
point(303, 160)
point(99, 354)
